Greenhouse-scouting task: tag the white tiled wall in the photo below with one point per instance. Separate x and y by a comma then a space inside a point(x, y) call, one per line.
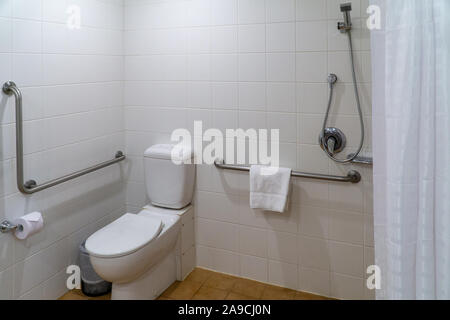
point(230, 63)
point(262, 64)
point(73, 108)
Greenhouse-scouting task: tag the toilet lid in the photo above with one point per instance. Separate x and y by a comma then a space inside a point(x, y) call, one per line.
point(124, 236)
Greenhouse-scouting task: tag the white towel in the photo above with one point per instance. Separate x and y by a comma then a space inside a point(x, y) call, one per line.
point(269, 188)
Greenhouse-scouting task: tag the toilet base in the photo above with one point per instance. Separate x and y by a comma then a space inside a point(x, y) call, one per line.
point(151, 284)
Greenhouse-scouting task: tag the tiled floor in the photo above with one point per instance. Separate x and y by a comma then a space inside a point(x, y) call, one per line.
point(207, 285)
point(78, 295)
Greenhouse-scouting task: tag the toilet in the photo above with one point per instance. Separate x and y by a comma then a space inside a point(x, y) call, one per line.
point(143, 254)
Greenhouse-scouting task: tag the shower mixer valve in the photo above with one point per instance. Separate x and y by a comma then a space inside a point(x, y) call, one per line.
point(333, 140)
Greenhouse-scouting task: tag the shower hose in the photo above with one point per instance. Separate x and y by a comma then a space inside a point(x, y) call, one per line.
point(358, 103)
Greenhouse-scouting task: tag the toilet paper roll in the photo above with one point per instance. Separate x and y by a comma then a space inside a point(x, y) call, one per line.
point(28, 225)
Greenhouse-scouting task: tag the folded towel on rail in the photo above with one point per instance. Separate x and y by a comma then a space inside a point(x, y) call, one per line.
point(269, 188)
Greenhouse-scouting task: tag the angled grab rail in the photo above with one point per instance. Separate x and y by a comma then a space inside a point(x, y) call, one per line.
point(353, 176)
point(31, 186)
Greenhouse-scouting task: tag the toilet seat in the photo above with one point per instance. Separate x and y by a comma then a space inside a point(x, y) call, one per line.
point(124, 236)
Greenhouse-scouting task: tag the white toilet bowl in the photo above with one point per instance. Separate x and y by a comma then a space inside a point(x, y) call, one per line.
point(137, 252)
point(142, 254)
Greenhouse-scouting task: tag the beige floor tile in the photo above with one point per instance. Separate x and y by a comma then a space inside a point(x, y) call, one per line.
point(278, 293)
point(221, 281)
point(200, 275)
point(170, 289)
point(207, 293)
point(203, 284)
point(248, 288)
point(237, 296)
point(78, 295)
point(72, 295)
point(182, 290)
point(105, 297)
point(308, 296)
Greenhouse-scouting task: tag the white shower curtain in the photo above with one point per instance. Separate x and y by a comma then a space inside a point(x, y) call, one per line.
point(411, 116)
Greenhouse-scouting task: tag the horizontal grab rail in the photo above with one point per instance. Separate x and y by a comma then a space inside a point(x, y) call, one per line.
point(31, 187)
point(353, 176)
point(361, 160)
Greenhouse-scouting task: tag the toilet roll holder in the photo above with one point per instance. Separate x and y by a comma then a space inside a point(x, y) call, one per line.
point(8, 226)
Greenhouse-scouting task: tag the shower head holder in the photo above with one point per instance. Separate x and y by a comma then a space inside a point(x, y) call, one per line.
point(345, 26)
point(346, 7)
point(332, 79)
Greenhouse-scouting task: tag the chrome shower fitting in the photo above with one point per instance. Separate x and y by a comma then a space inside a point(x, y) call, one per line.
point(332, 79)
point(347, 24)
point(332, 140)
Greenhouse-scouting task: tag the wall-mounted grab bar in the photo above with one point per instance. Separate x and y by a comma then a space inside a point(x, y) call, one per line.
point(353, 176)
point(31, 187)
point(368, 161)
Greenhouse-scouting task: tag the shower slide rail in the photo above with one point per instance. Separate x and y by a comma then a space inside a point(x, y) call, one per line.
point(31, 186)
point(352, 176)
point(368, 161)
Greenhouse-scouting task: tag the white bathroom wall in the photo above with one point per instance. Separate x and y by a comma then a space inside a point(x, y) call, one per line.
point(260, 64)
point(73, 108)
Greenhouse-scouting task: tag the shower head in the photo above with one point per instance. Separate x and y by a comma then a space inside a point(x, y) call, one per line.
point(346, 7)
point(347, 24)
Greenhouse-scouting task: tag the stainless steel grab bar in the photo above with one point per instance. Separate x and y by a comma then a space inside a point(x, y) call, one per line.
point(368, 161)
point(352, 176)
point(31, 186)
